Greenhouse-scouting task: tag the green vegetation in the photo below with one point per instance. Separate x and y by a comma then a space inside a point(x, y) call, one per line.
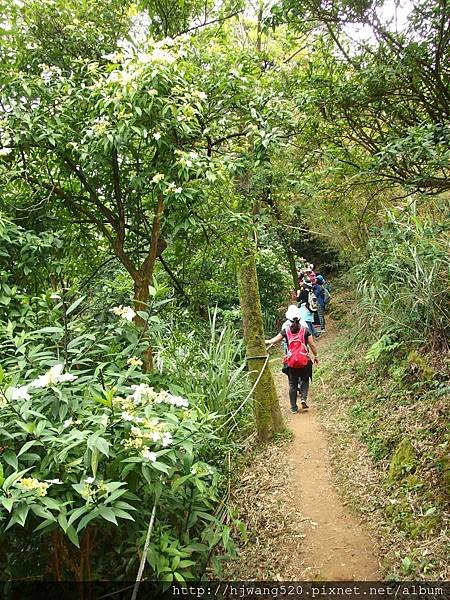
point(400, 413)
point(163, 166)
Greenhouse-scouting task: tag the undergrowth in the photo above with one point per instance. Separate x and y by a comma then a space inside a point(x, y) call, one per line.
point(397, 404)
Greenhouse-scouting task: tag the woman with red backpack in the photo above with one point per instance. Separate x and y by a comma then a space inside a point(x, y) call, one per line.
point(298, 340)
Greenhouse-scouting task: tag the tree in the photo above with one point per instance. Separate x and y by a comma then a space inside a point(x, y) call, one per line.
point(114, 142)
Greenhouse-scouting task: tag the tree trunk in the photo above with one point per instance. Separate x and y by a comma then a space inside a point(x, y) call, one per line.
point(140, 301)
point(267, 410)
point(142, 279)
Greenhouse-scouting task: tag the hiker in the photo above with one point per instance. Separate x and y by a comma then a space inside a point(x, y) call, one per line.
point(299, 364)
point(319, 292)
point(308, 305)
point(310, 273)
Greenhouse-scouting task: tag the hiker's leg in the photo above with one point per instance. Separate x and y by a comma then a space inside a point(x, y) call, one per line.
point(293, 384)
point(304, 388)
point(320, 311)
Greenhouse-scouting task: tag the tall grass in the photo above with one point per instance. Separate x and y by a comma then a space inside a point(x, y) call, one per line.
point(209, 367)
point(403, 283)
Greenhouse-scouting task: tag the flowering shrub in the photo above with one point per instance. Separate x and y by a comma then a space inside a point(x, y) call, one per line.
point(75, 465)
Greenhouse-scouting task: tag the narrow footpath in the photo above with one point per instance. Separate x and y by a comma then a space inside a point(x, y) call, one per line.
point(299, 527)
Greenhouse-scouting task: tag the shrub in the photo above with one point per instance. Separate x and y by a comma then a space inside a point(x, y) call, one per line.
point(86, 454)
point(403, 283)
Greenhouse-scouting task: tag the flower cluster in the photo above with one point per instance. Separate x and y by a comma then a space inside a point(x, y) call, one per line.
point(145, 432)
point(124, 312)
point(30, 484)
point(134, 361)
point(91, 490)
point(157, 178)
point(53, 376)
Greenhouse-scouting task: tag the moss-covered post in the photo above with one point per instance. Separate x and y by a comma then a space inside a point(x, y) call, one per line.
point(267, 410)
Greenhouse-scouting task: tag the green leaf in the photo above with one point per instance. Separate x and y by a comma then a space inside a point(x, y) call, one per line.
point(406, 564)
point(62, 520)
point(108, 514)
point(73, 536)
point(14, 477)
point(159, 466)
point(40, 511)
point(21, 513)
point(50, 330)
point(94, 462)
point(102, 445)
point(27, 446)
point(75, 304)
point(10, 457)
point(122, 514)
point(8, 503)
point(87, 519)
point(76, 514)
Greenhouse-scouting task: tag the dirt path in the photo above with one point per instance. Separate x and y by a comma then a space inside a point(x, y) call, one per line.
point(336, 545)
point(299, 527)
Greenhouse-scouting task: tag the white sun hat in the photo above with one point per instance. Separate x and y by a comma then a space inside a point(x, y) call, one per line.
point(293, 312)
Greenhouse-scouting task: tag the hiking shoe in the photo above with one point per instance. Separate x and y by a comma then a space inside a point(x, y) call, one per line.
point(304, 405)
point(294, 410)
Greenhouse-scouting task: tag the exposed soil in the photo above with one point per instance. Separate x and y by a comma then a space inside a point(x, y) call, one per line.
point(299, 527)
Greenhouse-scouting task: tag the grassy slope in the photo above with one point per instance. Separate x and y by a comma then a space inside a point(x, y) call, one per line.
point(389, 430)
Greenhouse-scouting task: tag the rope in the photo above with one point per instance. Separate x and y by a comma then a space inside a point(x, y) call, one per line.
point(251, 391)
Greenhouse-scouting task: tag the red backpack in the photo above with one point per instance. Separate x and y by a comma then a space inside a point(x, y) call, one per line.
point(297, 356)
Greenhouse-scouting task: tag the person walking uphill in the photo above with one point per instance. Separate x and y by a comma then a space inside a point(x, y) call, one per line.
point(298, 339)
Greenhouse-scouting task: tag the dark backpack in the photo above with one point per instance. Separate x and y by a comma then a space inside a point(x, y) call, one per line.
point(312, 301)
point(297, 354)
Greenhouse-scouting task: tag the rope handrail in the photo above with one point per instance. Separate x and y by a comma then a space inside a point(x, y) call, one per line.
point(231, 417)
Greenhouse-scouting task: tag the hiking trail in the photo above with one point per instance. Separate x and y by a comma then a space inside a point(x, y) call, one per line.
point(300, 528)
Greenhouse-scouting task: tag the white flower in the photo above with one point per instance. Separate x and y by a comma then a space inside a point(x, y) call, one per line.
point(157, 135)
point(178, 401)
point(20, 393)
point(128, 313)
point(199, 94)
point(178, 190)
point(67, 423)
point(157, 178)
point(5, 151)
point(89, 480)
point(151, 456)
point(155, 436)
point(126, 416)
point(54, 481)
point(161, 56)
point(141, 392)
point(52, 377)
point(124, 312)
point(167, 439)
